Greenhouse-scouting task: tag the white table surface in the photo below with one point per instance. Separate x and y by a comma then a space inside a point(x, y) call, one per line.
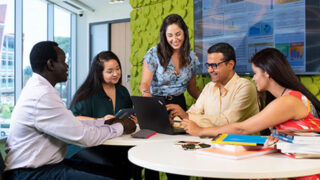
point(127, 140)
point(167, 157)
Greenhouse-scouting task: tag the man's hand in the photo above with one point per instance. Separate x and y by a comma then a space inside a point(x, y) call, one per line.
point(191, 127)
point(147, 94)
point(110, 121)
point(176, 110)
point(134, 118)
point(129, 126)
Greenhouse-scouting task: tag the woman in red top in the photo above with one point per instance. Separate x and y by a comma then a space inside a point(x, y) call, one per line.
point(287, 103)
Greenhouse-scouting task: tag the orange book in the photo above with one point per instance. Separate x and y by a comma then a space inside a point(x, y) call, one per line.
point(216, 152)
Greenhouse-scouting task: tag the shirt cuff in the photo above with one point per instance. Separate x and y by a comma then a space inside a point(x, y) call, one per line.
point(98, 122)
point(118, 127)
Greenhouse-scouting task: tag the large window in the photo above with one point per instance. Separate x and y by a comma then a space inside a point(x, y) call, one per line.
point(7, 62)
point(62, 36)
point(34, 30)
point(22, 25)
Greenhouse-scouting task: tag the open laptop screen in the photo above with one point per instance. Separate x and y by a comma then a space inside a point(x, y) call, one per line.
point(152, 114)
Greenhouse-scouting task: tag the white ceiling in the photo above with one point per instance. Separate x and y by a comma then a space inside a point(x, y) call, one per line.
point(96, 5)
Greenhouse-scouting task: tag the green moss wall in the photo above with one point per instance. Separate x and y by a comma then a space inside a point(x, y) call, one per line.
point(310, 82)
point(146, 19)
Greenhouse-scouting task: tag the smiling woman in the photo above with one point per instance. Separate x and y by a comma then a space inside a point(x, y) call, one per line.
point(100, 97)
point(170, 67)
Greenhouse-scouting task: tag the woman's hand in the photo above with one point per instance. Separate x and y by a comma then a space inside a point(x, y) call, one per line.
point(106, 117)
point(134, 118)
point(191, 127)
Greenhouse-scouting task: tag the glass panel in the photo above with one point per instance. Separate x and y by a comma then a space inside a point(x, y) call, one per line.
point(34, 30)
point(62, 24)
point(7, 64)
point(99, 38)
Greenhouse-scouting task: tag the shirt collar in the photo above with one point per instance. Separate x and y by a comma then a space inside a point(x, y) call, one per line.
point(41, 78)
point(231, 82)
point(228, 86)
point(102, 93)
point(43, 81)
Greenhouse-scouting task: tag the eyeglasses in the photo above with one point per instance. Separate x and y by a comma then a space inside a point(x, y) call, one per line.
point(194, 146)
point(214, 66)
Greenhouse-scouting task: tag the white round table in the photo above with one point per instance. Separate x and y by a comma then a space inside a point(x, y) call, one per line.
point(170, 158)
point(127, 140)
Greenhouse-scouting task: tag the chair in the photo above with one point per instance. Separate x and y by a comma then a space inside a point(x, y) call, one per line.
point(1, 166)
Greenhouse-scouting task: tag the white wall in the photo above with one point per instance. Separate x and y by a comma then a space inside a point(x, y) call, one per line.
point(103, 12)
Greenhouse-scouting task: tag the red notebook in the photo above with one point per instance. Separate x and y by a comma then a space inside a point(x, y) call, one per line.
point(216, 152)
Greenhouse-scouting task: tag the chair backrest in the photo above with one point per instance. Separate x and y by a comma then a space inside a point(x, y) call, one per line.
point(1, 166)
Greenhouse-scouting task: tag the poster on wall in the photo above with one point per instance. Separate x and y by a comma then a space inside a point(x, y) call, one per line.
point(250, 26)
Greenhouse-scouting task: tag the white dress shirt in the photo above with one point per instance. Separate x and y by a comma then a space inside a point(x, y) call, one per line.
point(41, 126)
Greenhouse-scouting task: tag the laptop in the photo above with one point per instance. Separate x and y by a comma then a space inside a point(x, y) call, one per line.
point(152, 114)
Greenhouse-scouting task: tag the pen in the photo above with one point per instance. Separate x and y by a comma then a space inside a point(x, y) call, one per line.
point(316, 131)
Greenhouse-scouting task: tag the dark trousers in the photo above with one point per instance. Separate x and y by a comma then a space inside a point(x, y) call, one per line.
point(114, 158)
point(65, 170)
point(154, 175)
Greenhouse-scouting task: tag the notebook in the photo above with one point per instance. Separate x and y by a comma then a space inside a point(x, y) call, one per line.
point(240, 139)
point(221, 153)
point(152, 114)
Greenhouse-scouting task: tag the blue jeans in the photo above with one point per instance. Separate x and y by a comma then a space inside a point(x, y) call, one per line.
point(59, 171)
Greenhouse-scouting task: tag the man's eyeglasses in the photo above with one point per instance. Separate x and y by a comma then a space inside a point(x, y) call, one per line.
point(214, 65)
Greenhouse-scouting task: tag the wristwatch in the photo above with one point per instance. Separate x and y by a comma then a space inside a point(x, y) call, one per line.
point(145, 91)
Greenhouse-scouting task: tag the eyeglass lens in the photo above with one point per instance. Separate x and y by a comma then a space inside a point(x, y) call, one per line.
point(214, 65)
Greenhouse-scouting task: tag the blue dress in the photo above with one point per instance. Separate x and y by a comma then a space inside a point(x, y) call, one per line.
point(168, 83)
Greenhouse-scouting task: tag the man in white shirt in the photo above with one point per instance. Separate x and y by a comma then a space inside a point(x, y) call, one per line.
point(226, 99)
point(41, 125)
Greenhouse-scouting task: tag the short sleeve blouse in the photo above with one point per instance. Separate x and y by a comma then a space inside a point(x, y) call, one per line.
point(166, 83)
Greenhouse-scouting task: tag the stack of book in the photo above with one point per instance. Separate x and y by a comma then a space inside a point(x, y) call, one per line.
point(298, 143)
point(235, 146)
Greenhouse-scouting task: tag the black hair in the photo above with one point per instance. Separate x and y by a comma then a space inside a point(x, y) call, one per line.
point(227, 51)
point(94, 80)
point(277, 66)
point(41, 53)
point(164, 50)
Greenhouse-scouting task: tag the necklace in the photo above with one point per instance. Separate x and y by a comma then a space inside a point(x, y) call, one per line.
point(283, 91)
point(177, 73)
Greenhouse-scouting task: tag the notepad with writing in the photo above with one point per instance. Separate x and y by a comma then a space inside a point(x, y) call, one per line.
point(221, 153)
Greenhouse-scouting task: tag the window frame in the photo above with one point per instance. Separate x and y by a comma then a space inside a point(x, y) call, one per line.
point(18, 45)
point(16, 77)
